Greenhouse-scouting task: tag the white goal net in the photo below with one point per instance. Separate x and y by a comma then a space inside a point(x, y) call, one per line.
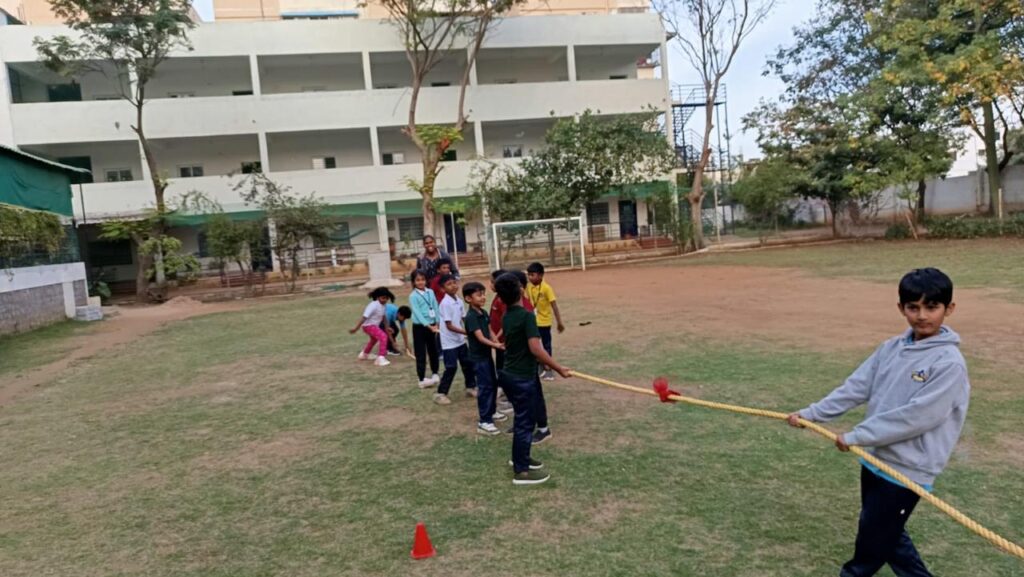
point(554, 242)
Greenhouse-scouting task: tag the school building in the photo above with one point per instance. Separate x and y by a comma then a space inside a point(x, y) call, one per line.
point(315, 96)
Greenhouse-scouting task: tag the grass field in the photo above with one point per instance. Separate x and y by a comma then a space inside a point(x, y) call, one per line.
point(251, 443)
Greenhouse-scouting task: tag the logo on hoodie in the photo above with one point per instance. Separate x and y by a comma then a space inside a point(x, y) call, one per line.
point(919, 376)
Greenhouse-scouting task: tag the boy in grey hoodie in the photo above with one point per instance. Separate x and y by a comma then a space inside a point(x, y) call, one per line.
point(916, 389)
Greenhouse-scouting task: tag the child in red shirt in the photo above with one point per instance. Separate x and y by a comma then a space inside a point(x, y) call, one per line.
point(444, 267)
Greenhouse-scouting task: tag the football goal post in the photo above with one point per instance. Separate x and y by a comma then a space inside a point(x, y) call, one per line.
point(554, 242)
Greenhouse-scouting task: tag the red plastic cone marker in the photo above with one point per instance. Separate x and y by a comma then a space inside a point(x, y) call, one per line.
point(661, 387)
point(421, 546)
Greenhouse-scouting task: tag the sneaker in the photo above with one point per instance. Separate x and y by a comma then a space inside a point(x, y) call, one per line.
point(499, 417)
point(548, 375)
point(534, 464)
point(539, 437)
point(530, 478)
point(487, 429)
point(472, 393)
point(364, 357)
point(394, 353)
point(382, 362)
point(435, 379)
point(442, 399)
point(425, 384)
point(506, 408)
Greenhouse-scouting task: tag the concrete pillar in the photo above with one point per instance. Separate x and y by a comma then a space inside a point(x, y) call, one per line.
point(382, 226)
point(367, 72)
point(69, 298)
point(570, 57)
point(275, 259)
point(254, 75)
point(264, 152)
point(6, 125)
point(478, 135)
point(375, 146)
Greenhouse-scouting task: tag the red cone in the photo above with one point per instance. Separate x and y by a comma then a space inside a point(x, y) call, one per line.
point(421, 546)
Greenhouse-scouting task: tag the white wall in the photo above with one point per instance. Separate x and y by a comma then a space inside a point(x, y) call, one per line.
point(296, 150)
point(35, 77)
point(17, 279)
point(529, 134)
point(299, 73)
point(201, 76)
point(392, 69)
point(602, 62)
point(497, 65)
point(218, 155)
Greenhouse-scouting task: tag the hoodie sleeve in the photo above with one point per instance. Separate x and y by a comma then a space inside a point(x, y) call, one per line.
point(925, 410)
point(850, 394)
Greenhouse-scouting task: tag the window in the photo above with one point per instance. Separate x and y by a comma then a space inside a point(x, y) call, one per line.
point(241, 93)
point(252, 167)
point(440, 84)
point(512, 151)
point(204, 249)
point(410, 228)
point(393, 158)
point(64, 92)
point(449, 155)
point(119, 174)
point(181, 94)
point(322, 162)
point(618, 77)
point(597, 213)
point(193, 171)
point(341, 235)
point(110, 253)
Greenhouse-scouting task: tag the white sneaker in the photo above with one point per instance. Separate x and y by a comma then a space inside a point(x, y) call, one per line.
point(364, 357)
point(435, 379)
point(500, 417)
point(425, 384)
point(442, 399)
point(382, 362)
point(487, 429)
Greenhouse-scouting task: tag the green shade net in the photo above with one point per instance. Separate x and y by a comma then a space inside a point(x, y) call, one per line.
point(34, 185)
point(640, 191)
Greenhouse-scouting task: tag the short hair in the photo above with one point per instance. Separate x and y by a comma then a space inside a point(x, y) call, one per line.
point(381, 291)
point(497, 273)
point(405, 311)
point(521, 276)
point(930, 284)
point(444, 261)
point(509, 289)
point(535, 267)
point(471, 288)
point(427, 237)
point(445, 278)
point(416, 273)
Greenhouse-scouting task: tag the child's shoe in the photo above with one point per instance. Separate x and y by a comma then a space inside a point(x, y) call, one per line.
point(365, 357)
point(394, 353)
point(499, 417)
point(534, 464)
point(382, 362)
point(541, 436)
point(425, 384)
point(435, 379)
point(442, 399)
point(487, 429)
point(530, 478)
point(472, 393)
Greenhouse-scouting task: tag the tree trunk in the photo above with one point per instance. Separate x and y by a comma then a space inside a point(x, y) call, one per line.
point(158, 192)
point(696, 195)
point(141, 280)
point(991, 158)
point(430, 171)
point(833, 207)
point(922, 187)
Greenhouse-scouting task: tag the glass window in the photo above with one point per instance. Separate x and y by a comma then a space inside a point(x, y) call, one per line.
point(597, 213)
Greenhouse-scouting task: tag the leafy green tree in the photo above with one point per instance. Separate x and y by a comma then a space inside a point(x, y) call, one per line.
point(765, 190)
point(228, 240)
point(173, 265)
point(296, 220)
point(432, 31)
point(24, 232)
point(132, 38)
point(970, 49)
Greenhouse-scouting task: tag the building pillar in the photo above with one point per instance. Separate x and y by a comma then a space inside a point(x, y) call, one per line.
point(254, 75)
point(6, 99)
point(478, 135)
point(367, 72)
point(146, 174)
point(382, 226)
point(275, 259)
point(264, 152)
point(375, 146)
point(570, 57)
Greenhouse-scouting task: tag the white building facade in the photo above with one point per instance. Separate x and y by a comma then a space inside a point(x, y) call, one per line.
point(318, 106)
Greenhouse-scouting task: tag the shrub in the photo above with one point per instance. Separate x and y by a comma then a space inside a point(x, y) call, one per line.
point(898, 231)
point(965, 226)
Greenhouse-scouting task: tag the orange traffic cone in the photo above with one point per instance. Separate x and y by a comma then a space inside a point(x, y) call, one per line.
point(421, 546)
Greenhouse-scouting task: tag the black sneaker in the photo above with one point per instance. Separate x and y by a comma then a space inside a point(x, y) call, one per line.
point(530, 478)
point(534, 464)
point(539, 437)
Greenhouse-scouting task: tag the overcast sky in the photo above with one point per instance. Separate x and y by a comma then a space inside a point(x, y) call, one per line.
point(746, 85)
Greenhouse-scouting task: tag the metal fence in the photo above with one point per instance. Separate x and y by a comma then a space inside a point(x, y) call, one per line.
point(25, 255)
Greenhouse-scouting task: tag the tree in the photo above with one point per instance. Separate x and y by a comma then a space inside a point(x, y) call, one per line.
point(430, 31)
point(131, 38)
point(709, 33)
point(766, 188)
point(296, 220)
point(228, 240)
point(970, 49)
point(172, 265)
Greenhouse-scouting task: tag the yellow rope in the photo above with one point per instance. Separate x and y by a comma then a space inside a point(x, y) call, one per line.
point(1004, 544)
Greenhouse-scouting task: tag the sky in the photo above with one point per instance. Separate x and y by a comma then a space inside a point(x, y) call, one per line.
point(746, 85)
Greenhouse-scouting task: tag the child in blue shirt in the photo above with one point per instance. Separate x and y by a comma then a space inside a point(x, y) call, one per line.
point(425, 316)
point(916, 389)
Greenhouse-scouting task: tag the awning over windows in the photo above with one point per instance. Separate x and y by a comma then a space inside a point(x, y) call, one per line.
point(32, 182)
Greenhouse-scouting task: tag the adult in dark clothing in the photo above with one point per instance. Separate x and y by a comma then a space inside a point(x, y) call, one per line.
point(427, 261)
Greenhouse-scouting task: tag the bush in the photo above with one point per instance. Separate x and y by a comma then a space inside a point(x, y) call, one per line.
point(898, 231)
point(965, 226)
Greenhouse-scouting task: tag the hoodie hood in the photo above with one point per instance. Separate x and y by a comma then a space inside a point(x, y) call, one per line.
point(946, 336)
